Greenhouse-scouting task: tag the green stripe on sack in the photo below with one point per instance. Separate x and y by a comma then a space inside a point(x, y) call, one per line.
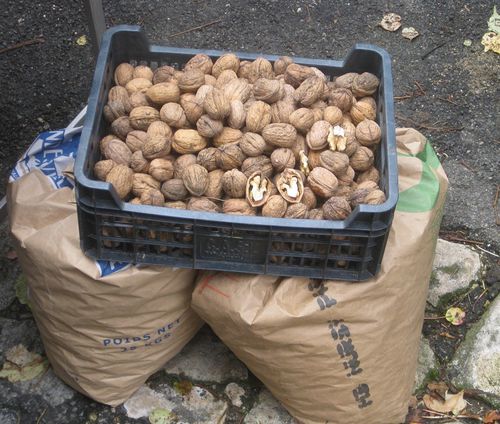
point(423, 196)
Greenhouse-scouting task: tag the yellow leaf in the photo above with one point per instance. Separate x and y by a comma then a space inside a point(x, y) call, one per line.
point(491, 41)
point(455, 315)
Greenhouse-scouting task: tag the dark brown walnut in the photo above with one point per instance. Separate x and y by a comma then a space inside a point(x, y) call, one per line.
point(200, 61)
point(226, 61)
point(282, 158)
point(118, 152)
point(268, 90)
point(275, 206)
point(335, 162)
point(176, 205)
point(316, 214)
point(230, 156)
point(310, 91)
point(322, 182)
point(238, 207)
point(297, 211)
point(115, 109)
point(281, 111)
point(340, 97)
point(258, 116)
point(135, 140)
point(191, 80)
point(138, 84)
point(181, 163)
point(309, 198)
point(102, 168)
point(121, 127)
point(202, 204)
point(258, 163)
point(295, 74)
point(347, 177)
point(375, 197)
point(227, 136)
point(345, 81)
point(138, 163)
point(252, 144)
point(214, 190)
point(360, 111)
point(290, 185)
point(156, 147)
point(302, 119)
point(195, 179)
point(365, 84)
point(317, 137)
point(371, 174)
point(362, 159)
point(260, 68)
point(124, 73)
point(208, 127)
point(237, 116)
point(336, 208)
point(237, 89)
point(225, 77)
point(208, 158)
point(174, 190)
point(121, 177)
point(279, 135)
point(143, 71)
point(173, 114)
point(161, 169)
point(281, 64)
point(234, 183)
point(162, 93)
point(188, 141)
point(192, 108)
point(152, 197)
point(357, 197)
point(368, 133)
point(258, 189)
point(141, 117)
point(216, 104)
point(142, 182)
point(343, 191)
point(313, 158)
point(333, 115)
point(163, 74)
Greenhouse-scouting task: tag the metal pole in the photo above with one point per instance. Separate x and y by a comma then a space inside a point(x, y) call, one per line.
point(97, 26)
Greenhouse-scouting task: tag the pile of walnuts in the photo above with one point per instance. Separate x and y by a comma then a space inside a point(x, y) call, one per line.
point(241, 137)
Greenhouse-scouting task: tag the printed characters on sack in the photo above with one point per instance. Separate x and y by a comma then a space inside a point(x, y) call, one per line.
point(150, 339)
point(345, 348)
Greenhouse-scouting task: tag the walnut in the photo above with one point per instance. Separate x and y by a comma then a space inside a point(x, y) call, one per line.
point(299, 146)
point(345, 81)
point(173, 114)
point(237, 116)
point(260, 68)
point(371, 174)
point(225, 77)
point(141, 117)
point(208, 158)
point(234, 183)
point(309, 198)
point(121, 177)
point(176, 205)
point(138, 84)
point(202, 92)
point(365, 84)
point(257, 189)
point(195, 179)
point(318, 114)
point(102, 168)
point(368, 133)
point(362, 159)
point(159, 129)
point(343, 190)
point(156, 147)
point(227, 136)
point(191, 80)
point(340, 97)
point(258, 116)
point(375, 197)
point(152, 197)
point(238, 207)
point(104, 141)
point(258, 163)
point(297, 211)
point(357, 197)
point(281, 111)
point(202, 204)
point(230, 156)
point(322, 182)
point(252, 144)
point(268, 90)
point(188, 141)
point(316, 214)
point(275, 206)
point(214, 190)
point(335, 162)
point(302, 119)
point(192, 108)
point(295, 74)
point(244, 69)
point(121, 127)
point(164, 92)
point(282, 158)
point(280, 135)
point(142, 182)
point(208, 127)
point(200, 61)
point(281, 64)
point(135, 140)
point(333, 115)
point(138, 99)
point(174, 189)
point(290, 185)
point(210, 80)
point(181, 163)
point(313, 158)
point(310, 91)
point(351, 147)
point(143, 71)
point(124, 73)
point(216, 105)
point(361, 111)
point(161, 169)
point(118, 152)
point(237, 89)
point(138, 163)
point(226, 61)
point(336, 208)
point(163, 74)
point(347, 177)
point(317, 137)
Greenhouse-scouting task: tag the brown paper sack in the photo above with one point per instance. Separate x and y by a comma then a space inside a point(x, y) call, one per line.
point(104, 336)
point(339, 352)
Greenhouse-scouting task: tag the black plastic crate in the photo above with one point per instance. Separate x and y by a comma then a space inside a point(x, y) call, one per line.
point(114, 230)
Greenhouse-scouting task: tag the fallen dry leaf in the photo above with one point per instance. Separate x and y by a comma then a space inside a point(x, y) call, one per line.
point(22, 365)
point(492, 417)
point(491, 41)
point(452, 403)
point(494, 21)
point(410, 33)
point(82, 40)
point(439, 387)
point(455, 315)
point(391, 22)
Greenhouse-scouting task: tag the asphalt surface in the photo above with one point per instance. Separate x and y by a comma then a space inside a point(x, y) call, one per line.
point(45, 85)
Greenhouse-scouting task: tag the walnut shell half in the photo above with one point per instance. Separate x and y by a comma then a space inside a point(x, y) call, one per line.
point(258, 189)
point(290, 185)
